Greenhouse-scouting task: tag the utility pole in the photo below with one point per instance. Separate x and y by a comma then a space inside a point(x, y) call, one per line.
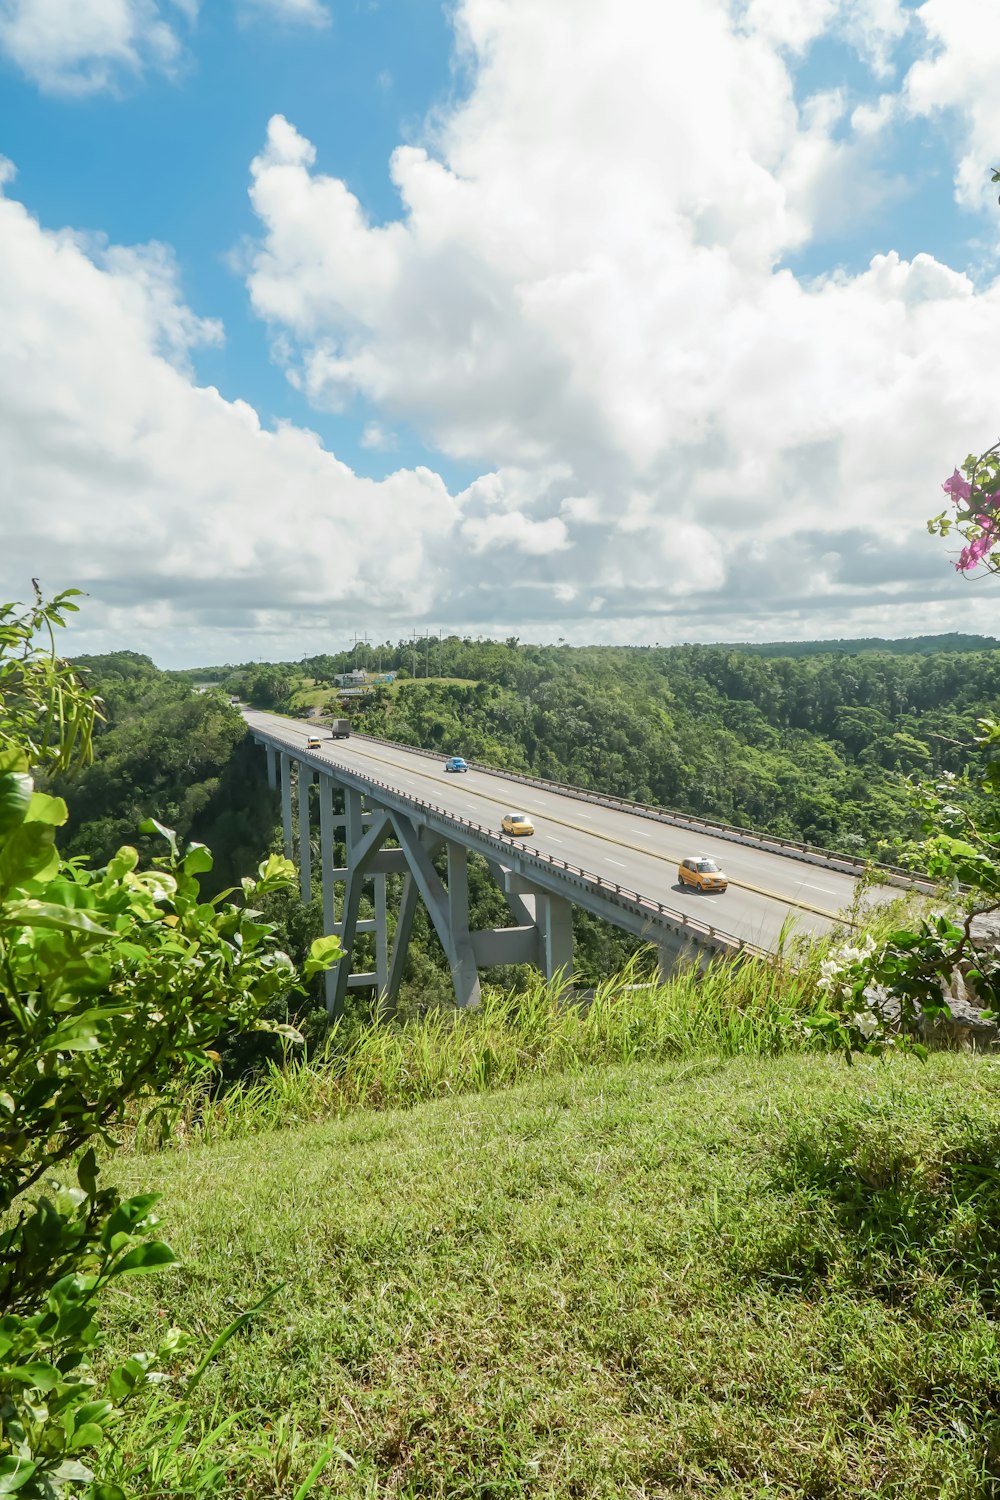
point(413, 651)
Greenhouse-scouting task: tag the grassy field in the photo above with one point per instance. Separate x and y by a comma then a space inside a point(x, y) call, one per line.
point(309, 695)
point(742, 1276)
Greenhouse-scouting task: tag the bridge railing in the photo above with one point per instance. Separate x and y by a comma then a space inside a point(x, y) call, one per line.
point(848, 864)
point(503, 844)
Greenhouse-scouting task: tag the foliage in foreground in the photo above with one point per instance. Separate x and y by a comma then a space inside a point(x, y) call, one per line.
point(113, 985)
point(707, 1277)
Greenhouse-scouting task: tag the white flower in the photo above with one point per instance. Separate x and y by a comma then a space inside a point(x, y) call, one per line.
point(866, 1023)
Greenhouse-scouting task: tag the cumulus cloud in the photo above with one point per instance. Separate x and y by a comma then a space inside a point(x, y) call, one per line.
point(195, 530)
point(586, 286)
point(87, 45)
point(958, 75)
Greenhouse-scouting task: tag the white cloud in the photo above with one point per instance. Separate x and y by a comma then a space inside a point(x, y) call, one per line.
point(195, 530)
point(376, 436)
point(81, 46)
point(959, 75)
point(512, 528)
point(584, 293)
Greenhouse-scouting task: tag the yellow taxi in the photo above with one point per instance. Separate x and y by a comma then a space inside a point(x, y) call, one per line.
point(702, 872)
point(312, 743)
point(518, 824)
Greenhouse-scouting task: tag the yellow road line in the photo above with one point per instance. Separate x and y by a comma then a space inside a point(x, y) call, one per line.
point(610, 838)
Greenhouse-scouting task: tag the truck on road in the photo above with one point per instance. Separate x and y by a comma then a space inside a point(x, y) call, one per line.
point(340, 729)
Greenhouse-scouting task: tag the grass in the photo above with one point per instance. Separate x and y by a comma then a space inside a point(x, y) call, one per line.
point(729, 1008)
point(709, 1276)
point(310, 695)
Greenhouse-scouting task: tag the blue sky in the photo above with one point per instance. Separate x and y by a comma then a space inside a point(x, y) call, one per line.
point(609, 321)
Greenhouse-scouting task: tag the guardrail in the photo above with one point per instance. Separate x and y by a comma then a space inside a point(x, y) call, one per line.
point(809, 853)
point(501, 843)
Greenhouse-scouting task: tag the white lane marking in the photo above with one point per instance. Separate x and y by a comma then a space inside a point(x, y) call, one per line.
point(586, 817)
point(554, 840)
point(809, 886)
point(643, 835)
point(619, 862)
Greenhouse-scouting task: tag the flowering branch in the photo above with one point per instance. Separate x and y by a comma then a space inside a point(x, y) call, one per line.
point(975, 493)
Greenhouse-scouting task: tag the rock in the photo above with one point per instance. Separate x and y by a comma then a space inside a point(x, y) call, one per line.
point(967, 1028)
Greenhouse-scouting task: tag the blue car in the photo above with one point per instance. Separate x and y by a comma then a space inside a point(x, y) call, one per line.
point(456, 764)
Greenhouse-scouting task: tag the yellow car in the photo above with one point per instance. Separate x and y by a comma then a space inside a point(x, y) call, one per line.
point(702, 872)
point(312, 743)
point(517, 823)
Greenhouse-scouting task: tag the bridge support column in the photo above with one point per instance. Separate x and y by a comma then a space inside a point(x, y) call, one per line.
point(441, 906)
point(465, 973)
point(305, 852)
point(401, 941)
point(272, 772)
point(557, 936)
point(381, 936)
point(326, 872)
point(363, 843)
point(286, 803)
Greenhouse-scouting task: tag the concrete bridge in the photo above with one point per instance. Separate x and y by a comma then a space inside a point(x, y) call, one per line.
point(393, 809)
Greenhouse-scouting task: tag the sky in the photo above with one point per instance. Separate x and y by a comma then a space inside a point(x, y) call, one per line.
point(624, 321)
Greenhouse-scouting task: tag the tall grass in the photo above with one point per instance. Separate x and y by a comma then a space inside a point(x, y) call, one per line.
point(751, 1006)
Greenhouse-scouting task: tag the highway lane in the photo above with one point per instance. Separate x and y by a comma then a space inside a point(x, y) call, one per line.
point(765, 889)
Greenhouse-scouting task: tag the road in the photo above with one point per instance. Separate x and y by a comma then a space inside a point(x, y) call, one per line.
point(766, 889)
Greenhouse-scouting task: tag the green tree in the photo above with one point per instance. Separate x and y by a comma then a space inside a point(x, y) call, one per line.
point(114, 983)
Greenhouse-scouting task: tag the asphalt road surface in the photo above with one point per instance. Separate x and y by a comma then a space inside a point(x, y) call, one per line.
point(766, 889)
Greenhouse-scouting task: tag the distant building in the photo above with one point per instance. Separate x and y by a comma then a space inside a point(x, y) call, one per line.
point(354, 678)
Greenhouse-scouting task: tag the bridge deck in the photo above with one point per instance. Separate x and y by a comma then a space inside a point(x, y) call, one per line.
point(766, 887)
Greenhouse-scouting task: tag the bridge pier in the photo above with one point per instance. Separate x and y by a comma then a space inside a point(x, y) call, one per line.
point(286, 804)
point(305, 850)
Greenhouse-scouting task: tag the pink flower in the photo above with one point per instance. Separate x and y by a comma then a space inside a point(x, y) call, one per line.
point(974, 553)
point(958, 488)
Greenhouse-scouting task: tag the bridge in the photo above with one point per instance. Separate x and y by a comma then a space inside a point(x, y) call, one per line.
point(393, 809)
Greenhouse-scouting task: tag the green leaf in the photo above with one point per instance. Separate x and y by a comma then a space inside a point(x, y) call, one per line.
point(153, 1255)
point(12, 758)
point(15, 794)
point(324, 952)
point(281, 1028)
point(197, 860)
point(86, 1172)
point(130, 1217)
point(28, 853)
point(276, 870)
point(150, 825)
point(42, 1376)
point(45, 809)
point(47, 914)
point(14, 1473)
